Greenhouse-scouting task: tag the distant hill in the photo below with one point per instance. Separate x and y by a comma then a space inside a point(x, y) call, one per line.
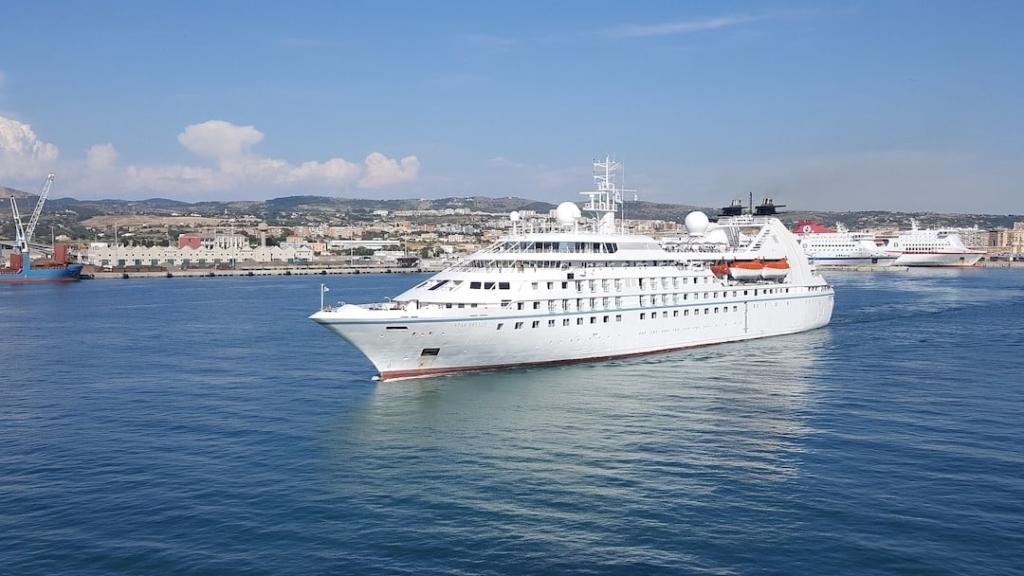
point(6, 192)
point(67, 214)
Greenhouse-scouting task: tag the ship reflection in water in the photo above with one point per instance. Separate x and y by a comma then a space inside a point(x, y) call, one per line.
point(540, 452)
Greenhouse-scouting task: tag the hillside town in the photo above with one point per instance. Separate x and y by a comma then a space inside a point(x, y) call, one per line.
point(423, 234)
point(427, 239)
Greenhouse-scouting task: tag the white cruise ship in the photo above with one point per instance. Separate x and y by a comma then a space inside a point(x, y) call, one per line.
point(839, 246)
point(583, 289)
point(916, 247)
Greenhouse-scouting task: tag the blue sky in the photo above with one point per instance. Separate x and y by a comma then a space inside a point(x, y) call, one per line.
point(847, 105)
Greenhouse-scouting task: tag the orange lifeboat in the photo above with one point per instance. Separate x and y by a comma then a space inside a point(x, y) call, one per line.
point(775, 269)
point(746, 269)
point(721, 269)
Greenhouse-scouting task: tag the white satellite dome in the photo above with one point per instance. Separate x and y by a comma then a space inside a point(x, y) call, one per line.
point(696, 223)
point(514, 216)
point(567, 213)
point(716, 235)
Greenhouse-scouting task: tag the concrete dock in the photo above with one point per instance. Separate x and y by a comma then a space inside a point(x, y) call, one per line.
point(253, 272)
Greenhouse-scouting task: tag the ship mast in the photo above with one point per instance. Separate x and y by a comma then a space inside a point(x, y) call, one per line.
point(606, 198)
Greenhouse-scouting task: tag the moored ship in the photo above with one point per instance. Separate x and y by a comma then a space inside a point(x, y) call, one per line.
point(840, 247)
point(20, 267)
point(931, 248)
point(582, 288)
point(56, 269)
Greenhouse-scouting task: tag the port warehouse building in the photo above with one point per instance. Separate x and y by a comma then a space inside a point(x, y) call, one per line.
point(102, 254)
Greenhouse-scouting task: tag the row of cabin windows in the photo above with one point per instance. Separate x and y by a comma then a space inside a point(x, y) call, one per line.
point(617, 284)
point(653, 300)
point(603, 285)
point(696, 312)
point(563, 265)
point(616, 302)
point(618, 317)
point(562, 247)
point(565, 322)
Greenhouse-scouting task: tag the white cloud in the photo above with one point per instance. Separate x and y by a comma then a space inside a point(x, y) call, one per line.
point(681, 27)
point(220, 140)
point(235, 169)
point(382, 171)
point(23, 156)
point(101, 159)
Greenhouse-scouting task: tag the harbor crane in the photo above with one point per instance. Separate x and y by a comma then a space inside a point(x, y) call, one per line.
point(23, 234)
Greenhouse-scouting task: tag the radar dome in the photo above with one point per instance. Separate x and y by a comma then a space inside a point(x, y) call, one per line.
point(514, 216)
point(716, 235)
point(696, 223)
point(567, 213)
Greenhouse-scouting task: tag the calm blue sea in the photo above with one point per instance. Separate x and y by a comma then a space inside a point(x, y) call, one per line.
point(205, 426)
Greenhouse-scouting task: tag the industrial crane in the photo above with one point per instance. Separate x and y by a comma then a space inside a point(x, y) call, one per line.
point(23, 235)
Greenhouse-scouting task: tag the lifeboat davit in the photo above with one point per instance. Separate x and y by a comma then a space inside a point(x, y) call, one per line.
point(775, 269)
point(746, 269)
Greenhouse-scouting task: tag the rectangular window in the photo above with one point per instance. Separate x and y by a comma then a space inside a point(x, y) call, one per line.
point(593, 319)
point(579, 321)
point(686, 312)
point(565, 322)
point(500, 325)
point(551, 323)
point(502, 285)
point(664, 314)
point(707, 311)
point(536, 305)
point(462, 305)
point(565, 285)
point(643, 315)
point(735, 309)
point(551, 285)
point(536, 324)
point(605, 319)
point(675, 313)
point(519, 325)
point(488, 285)
point(533, 285)
point(519, 305)
point(618, 317)
point(474, 285)
point(430, 352)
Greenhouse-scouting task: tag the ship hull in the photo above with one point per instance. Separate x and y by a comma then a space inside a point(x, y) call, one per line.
point(68, 273)
point(411, 349)
point(853, 260)
point(939, 259)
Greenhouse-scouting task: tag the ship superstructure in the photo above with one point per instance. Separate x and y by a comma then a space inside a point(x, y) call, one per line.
point(584, 289)
point(917, 247)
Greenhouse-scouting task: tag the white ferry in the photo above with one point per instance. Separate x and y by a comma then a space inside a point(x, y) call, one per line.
point(839, 246)
point(916, 247)
point(583, 289)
